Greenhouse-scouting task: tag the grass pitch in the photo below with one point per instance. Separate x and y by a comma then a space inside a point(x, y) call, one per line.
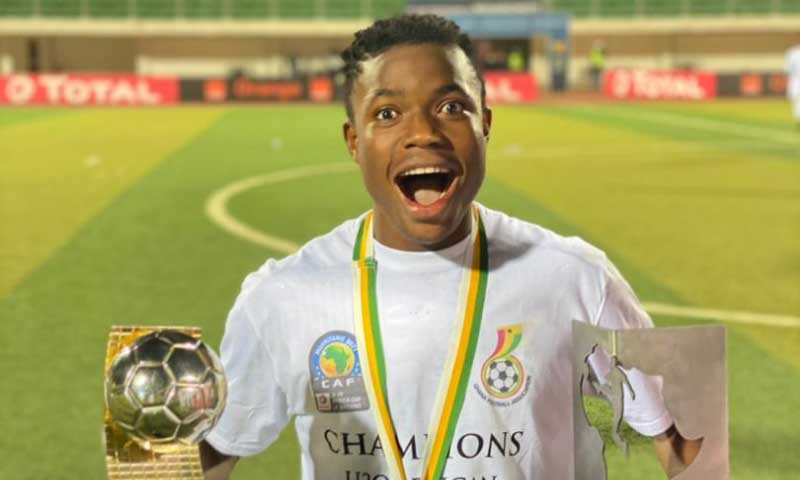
point(103, 223)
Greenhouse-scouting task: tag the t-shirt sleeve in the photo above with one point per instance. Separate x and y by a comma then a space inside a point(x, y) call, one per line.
point(256, 409)
point(620, 309)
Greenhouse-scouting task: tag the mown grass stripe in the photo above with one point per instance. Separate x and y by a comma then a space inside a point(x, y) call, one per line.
point(727, 136)
point(61, 170)
point(10, 116)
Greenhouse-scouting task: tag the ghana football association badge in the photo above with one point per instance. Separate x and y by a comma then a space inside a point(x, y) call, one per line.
point(164, 391)
point(503, 376)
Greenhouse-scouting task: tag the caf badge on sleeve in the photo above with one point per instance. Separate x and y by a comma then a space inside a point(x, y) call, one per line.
point(336, 380)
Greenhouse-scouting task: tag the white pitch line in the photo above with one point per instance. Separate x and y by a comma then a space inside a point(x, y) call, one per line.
point(623, 150)
point(217, 210)
point(759, 133)
point(727, 316)
point(218, 213)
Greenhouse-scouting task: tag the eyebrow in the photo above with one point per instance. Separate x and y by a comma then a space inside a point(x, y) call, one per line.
point(385, 92)
point(450, 87)
point(389, 92)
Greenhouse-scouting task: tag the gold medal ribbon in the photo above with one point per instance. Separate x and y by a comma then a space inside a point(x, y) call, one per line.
point(455, 378)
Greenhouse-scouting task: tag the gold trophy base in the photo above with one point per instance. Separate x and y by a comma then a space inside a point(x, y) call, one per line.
point(125, 458)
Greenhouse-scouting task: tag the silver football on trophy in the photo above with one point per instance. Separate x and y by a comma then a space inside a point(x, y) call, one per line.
point(166, 387)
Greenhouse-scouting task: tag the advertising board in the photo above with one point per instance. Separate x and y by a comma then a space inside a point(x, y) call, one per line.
point(244, 89)
point(510, 87)
point(87, 89)
point(753, 84)
point(643, 84)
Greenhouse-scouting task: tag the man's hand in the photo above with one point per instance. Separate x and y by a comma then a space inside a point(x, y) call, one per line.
point(216, 466)
point(675, 452)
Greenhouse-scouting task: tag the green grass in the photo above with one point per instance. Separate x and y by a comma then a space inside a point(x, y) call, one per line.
point(693, 215)
point(61, 167)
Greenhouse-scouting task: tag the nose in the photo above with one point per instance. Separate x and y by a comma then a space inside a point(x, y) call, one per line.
point(423, 131)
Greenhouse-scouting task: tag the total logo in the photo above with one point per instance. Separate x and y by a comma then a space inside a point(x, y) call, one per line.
point(510, 87)
point(655, 84)
point(87, 90)
point(503, 91)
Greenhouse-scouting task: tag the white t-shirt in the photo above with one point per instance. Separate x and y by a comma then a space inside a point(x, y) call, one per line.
point(793, 71)
point(288, 350)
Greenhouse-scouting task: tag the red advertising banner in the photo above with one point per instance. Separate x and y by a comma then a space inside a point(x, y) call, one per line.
point(87, 89)
point(243, 89)
point(321, 89)
point(752, 84)
point(265, 90)
point(660, 84)
point(510, 87)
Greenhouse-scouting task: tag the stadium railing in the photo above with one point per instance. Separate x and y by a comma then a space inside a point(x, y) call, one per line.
point(265, 9)
point(671, 8)
point(201, 9)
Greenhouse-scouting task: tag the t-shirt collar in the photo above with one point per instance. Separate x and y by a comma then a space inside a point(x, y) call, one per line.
point(425, 261)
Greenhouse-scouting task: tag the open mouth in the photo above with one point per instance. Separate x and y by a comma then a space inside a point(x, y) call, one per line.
point(425, 185)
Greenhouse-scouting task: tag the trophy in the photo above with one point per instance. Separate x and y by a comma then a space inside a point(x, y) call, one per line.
point(691, 362)
point(164, 391)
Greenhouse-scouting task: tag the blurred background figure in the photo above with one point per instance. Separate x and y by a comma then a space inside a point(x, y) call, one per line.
point(597, 63)
point(793, 87)
point(516, 60)
point(559, 65)
point(491, 56)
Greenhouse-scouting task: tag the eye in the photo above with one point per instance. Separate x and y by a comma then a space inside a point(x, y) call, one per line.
point(453, 108)
point(386, 114)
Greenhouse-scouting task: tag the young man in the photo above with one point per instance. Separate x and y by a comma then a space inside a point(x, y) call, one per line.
point(793, 85)
point(429, 338)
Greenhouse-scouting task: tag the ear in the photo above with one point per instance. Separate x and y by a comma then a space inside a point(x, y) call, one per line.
point(487, 122)
point(350, 138)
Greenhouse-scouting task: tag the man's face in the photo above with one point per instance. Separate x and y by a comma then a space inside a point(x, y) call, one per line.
point(419, 135)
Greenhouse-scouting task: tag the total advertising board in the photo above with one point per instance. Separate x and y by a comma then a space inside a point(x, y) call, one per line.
point(644, 84)
point(76, 89)
point(510, 87)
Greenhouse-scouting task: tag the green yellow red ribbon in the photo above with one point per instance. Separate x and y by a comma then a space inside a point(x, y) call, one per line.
point(455, 378)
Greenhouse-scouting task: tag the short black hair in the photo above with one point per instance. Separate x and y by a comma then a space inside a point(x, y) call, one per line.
point(408, 29)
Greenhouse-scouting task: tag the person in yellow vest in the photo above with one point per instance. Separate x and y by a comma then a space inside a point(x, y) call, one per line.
point(516, 61)
point(597, 63)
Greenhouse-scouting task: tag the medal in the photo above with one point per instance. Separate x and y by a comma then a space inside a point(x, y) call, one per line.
point(453, 385)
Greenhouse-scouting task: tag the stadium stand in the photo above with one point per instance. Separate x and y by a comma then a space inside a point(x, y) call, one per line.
point(211, 38)
point(661, 8)
point(260, 9)
point(201, 9)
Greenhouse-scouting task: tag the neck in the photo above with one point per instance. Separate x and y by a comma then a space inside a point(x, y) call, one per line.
point(420, 237)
